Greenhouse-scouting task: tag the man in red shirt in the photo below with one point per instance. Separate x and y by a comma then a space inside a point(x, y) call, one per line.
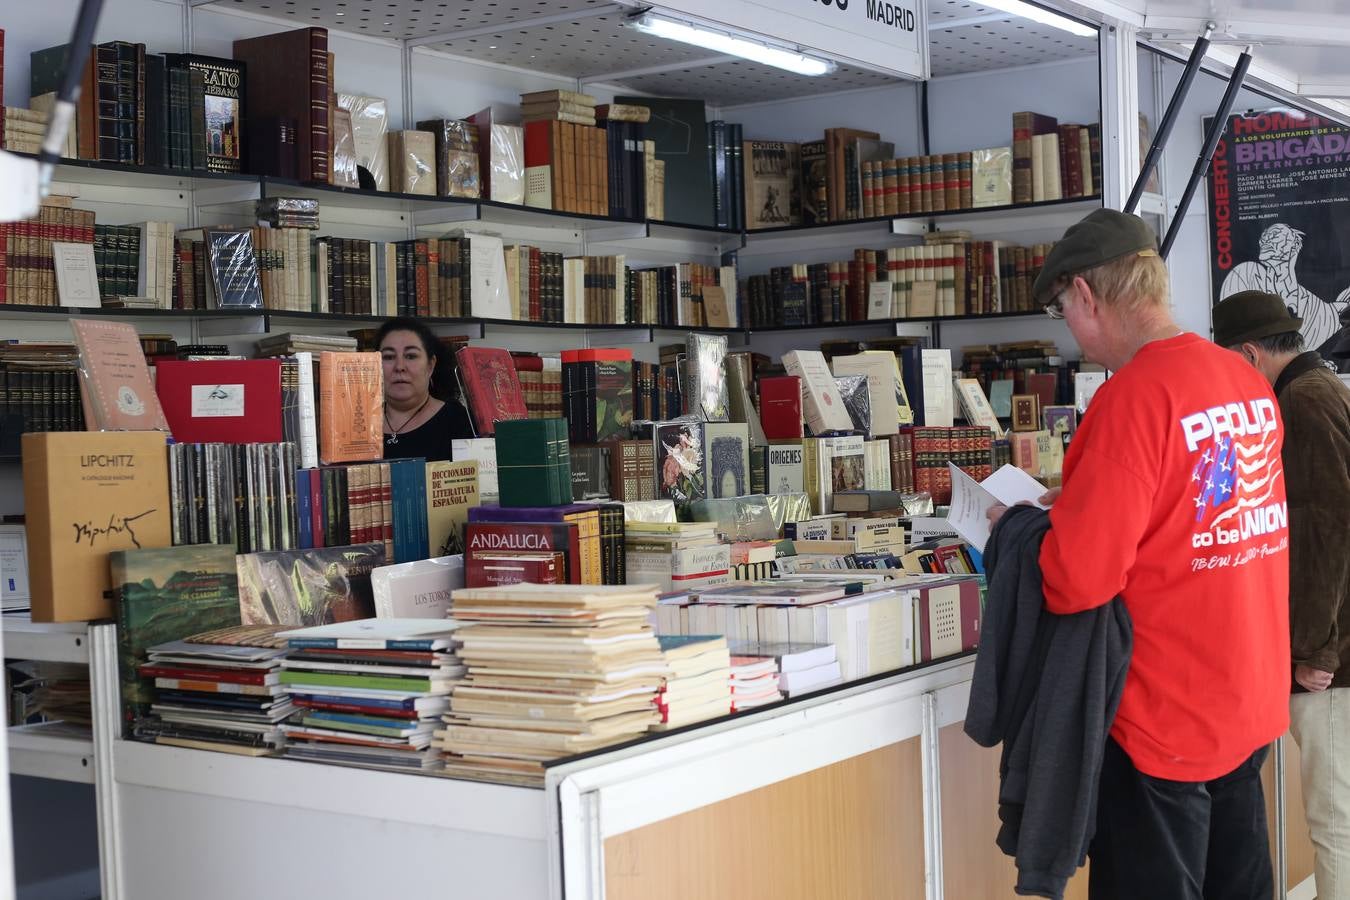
point(1173, 498)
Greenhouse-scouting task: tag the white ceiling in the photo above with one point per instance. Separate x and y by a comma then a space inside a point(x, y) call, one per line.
point(591, 41)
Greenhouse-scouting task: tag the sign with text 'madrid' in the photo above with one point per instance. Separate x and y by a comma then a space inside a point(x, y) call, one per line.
point(886, 35)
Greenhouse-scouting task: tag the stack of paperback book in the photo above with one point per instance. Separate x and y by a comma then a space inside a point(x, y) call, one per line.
point(217, 691)
point(698, 686)
point(676, 556)
point(553, 670)
point(754, 682)
point(369, 692)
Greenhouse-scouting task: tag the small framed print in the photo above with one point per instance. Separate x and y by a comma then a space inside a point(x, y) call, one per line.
point(1026, 412)
point(1061, 421)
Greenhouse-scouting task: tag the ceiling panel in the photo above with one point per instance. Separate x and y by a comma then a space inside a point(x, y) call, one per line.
point(576, 49)
point(1002, 44)
point(403, 19)
point(738, 83)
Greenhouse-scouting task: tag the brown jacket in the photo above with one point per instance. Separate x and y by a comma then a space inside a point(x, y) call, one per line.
point(1315, 406)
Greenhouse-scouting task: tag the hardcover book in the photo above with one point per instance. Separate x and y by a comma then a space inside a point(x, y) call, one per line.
point(707, 397)
point(773, 180)
point(86, 494)
point(815, 178)
point(1026, 412)
point(680, 474)
point(491, 386)
point(976, 405)
point(164, 595)
point(417, 590)
point(221, 401)
point(597, 394)
point(727, 459)
point(484, 451)
point(526, 537)
point(351, 397)
point(678, 129)
point(785, 469)
point(452, 488)
point(115, 380)
point(879, 369)
point(847, 462)
point(308, 587)
point(287, 77)
point(823, 406)
point(632, 471)
point(780, 406)
point(223, 81)
point(234, 269)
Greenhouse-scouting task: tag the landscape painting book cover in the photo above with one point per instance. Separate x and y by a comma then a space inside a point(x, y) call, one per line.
point(164, 595)
point(308, 587)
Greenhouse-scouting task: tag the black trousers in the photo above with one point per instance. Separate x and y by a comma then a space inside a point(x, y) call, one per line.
point(1180, 840)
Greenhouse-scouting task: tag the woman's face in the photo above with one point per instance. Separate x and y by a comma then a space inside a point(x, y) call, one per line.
point(407, 369)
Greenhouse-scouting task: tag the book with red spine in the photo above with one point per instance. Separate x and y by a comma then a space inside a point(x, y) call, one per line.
point(203, 673)
point(491, 386)
point(493, 569)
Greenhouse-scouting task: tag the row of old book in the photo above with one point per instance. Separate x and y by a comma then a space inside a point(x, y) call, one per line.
point(942, 277)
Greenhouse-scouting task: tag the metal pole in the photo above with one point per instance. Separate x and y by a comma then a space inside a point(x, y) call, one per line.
point(1169, 117)
point(1216, 130)
point(63, 113)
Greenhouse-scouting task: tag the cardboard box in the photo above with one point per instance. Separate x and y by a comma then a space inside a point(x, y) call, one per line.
point(87, 493)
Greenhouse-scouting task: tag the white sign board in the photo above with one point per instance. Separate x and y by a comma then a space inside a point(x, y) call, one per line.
point(885, 35)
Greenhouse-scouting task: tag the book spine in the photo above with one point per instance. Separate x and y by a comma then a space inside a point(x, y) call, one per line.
point(320, 156)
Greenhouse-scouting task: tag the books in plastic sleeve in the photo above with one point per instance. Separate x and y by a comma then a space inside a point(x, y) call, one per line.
point(680, 473)
point(166, 595)
point(308, 587)
point(726, 459)
point(351, 402)
point(234, 269)
point(416, 590)
point(706, 396)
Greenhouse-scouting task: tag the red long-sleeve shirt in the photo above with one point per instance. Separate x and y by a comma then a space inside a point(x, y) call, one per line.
point(1174, 499)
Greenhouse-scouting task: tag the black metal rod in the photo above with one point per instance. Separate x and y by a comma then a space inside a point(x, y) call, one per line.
point(63, 112)
point(1202, 164)
point(1169, 118)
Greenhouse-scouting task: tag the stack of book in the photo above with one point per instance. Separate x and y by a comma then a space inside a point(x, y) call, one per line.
point(802, 668)
point(23, 129)
point(553, 670)
point(217, 691)
point(289, 344)
point(369, 692)
point(683, 556)
point(699, 684)
point(754, 682)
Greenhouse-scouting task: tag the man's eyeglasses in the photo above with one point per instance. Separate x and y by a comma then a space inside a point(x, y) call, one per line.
point(1055, 308)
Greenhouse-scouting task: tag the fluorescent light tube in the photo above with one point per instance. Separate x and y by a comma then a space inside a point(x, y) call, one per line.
point(732, 44)
point(1044, 16)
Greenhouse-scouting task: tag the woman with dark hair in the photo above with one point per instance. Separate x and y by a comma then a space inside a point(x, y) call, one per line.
point(421, 413)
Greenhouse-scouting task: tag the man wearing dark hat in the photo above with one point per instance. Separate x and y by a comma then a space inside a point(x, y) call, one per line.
point(1172, 500)
point(1315, 406)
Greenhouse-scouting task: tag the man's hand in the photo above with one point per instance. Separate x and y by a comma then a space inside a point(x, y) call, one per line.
point(1314, 680)
point(1049, 497)
point(994, 513)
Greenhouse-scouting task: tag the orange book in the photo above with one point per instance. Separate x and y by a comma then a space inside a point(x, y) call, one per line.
point(351, 401)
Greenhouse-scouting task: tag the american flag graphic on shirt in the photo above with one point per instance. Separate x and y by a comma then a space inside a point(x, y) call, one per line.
point(1234, 474)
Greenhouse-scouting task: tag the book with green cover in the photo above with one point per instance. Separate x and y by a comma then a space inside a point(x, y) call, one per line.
point(364, 682)
point(164, 595)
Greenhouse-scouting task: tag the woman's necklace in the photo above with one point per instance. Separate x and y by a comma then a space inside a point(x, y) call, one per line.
point(393, 437)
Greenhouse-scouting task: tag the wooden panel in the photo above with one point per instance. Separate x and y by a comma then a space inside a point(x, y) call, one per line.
point(973, 866)
point(850, 831)
point(1298, 843)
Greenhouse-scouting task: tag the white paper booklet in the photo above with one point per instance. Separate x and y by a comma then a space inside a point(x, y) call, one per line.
point(416, 590)
point(971, 499)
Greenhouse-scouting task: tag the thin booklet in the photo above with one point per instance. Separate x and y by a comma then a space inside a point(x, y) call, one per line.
point(971, 499)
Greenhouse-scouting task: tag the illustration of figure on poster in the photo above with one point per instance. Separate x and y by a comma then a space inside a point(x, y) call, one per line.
point(1278, 191)
point(1274, 272)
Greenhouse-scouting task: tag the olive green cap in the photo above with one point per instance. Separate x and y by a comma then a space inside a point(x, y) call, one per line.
point(1251, 315)
point(1099, 237)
